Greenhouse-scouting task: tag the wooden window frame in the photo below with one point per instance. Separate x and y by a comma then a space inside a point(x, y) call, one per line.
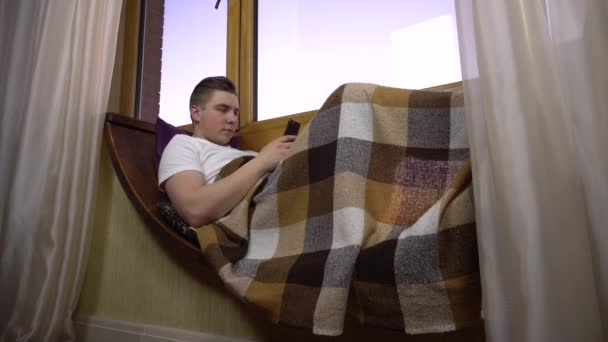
point(240, 55)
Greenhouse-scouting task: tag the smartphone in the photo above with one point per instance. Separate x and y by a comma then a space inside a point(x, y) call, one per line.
point(292, 127)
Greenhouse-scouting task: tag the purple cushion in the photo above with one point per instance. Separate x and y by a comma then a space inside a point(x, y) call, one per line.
point(165, 132)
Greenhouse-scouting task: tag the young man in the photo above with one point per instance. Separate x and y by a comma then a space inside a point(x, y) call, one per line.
point(189, 165)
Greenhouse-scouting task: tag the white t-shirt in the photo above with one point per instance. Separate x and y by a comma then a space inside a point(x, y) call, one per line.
point(184, 152)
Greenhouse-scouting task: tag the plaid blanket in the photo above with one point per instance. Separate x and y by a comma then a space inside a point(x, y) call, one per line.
point(371, 214)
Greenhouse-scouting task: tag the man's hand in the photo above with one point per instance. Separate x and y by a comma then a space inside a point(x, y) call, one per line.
point(272, 154)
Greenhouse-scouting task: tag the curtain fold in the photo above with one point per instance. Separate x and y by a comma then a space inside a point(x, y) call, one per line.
point(536, 92)
point(54, 87)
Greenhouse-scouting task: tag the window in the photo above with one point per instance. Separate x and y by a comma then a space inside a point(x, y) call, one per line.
point(303, 51)
point(307, 48)
point(193, 47)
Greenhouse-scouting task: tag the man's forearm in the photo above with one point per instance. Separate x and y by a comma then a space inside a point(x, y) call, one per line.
point(215, 200)
point(200, 203)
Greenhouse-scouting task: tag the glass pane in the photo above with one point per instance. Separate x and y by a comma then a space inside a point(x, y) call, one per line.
point(307, 48)
point(194, 47)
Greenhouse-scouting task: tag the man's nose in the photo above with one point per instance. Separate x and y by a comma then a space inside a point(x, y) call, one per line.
point(232, 117)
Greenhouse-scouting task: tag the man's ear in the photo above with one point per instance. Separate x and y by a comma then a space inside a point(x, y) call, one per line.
point(195, 113)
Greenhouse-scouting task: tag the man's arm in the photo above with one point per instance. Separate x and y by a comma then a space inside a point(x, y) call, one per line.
point(199, 203)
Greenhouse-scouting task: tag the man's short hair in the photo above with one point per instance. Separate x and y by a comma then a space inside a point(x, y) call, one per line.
point(204, 89)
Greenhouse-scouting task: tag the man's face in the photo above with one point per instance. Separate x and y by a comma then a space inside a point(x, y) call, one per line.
point(217, 120)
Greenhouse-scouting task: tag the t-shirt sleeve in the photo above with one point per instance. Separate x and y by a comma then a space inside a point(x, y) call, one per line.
point(180, 154)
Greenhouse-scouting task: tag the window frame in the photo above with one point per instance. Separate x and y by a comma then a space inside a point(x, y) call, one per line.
point(240, 55)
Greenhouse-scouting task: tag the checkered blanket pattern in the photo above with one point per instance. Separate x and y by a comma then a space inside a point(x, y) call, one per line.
point(371, 215)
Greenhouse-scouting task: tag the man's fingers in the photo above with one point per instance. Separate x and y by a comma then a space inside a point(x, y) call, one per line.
point(286, 138)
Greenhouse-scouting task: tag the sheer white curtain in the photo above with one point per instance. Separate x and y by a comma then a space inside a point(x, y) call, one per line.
point(536, 83)
point(57, 59)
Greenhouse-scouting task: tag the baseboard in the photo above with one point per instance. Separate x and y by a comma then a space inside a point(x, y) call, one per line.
point(98, 329)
